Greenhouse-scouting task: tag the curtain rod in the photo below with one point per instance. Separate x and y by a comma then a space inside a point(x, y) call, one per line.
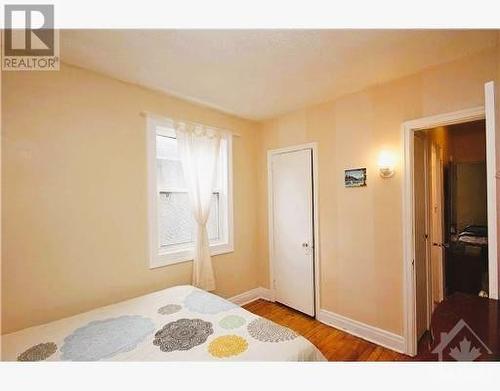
point(169, 119)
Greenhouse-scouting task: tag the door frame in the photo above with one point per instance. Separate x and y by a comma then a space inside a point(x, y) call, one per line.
point(315, 200)
point(409, 288)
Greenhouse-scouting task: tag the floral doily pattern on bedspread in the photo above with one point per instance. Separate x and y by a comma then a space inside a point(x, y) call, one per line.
point(206, 303)
point(106, 338)
point(181, 323)
point(39, 352)
point(267, 331)
point(227, 346)
point(232, 322)
point(169, 309)
point(183, 334)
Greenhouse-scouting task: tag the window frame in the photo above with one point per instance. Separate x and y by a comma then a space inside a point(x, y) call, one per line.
point(183, 253)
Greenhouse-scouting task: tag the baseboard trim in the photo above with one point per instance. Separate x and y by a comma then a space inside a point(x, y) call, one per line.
point(362, 330)
point(252, 295)
point(370, 333)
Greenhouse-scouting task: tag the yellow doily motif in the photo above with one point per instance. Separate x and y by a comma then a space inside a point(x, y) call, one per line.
point(227, 345)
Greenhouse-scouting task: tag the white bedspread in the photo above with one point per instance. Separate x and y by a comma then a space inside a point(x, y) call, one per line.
point(181, 323)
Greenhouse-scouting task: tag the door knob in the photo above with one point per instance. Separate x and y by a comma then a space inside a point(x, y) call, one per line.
point(305, 244)
point(444, 245)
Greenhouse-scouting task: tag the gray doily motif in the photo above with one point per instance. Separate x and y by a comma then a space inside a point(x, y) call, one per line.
point(267, 331)
point(169, 309)
point(183, 334)
point(39, 352)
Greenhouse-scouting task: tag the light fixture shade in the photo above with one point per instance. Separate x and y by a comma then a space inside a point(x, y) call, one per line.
point(386, 163)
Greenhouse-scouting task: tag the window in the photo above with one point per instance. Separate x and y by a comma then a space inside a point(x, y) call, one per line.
point(172, 227)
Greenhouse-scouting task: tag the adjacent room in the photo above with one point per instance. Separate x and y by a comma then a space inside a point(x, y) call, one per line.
point(451, 224)
point(253, 195)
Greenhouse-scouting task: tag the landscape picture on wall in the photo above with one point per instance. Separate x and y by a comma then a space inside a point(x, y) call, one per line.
point(355, 177)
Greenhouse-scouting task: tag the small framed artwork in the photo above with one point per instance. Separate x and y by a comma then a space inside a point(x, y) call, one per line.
point(355, 177)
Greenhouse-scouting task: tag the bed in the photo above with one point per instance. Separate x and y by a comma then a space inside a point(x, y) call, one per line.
point(182, 323)
point(472, 235)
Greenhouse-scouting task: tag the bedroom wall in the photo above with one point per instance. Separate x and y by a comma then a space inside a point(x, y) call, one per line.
point(468, 142)
point(74, 196)
point(468, 151)
point(441, 136)
point(471, 198)
point(361, 228)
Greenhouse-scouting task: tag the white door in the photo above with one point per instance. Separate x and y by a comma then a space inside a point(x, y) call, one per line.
point(420, 234)
point(292, 229)
point(491, 188)
point(437, 224)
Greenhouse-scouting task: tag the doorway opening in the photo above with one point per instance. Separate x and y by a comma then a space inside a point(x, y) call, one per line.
point(451, 218)
point(432, 280)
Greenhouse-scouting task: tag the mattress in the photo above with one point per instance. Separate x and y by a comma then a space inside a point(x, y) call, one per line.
point(182, 323)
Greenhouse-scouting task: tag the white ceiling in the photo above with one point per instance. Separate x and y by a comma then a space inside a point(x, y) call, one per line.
point(258, 74)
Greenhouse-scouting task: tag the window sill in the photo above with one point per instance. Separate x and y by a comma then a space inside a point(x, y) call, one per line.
point(172, 257)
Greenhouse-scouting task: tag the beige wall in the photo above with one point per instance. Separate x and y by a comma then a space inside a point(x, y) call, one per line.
point(74, 196)
point(471, 198)
point(465, 146)
point(360, 228)
point(460, 143)
point(468, 142)
point(441, 137)
point(468, 151)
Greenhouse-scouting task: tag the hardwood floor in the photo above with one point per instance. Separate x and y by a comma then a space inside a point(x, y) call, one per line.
point(335, 344)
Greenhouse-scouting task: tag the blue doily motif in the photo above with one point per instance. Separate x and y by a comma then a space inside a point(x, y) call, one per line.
point(102, 339)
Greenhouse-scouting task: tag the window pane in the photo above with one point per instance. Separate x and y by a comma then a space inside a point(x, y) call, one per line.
point(166, 148)
point(170, 174)
point(176, 223)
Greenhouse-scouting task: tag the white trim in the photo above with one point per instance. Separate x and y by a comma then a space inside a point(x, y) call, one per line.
point(170, 121)
point(185, 254)
point(370, 333)
point(453, 118)
point(252, 295)
point(491, 184)
point(316, 243)
point(158, 257)
point(408, 128)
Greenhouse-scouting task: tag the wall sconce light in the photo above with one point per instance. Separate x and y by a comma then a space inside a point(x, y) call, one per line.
point(386, 163)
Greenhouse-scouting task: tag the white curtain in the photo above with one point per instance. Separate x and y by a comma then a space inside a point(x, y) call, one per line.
point(198, 148)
